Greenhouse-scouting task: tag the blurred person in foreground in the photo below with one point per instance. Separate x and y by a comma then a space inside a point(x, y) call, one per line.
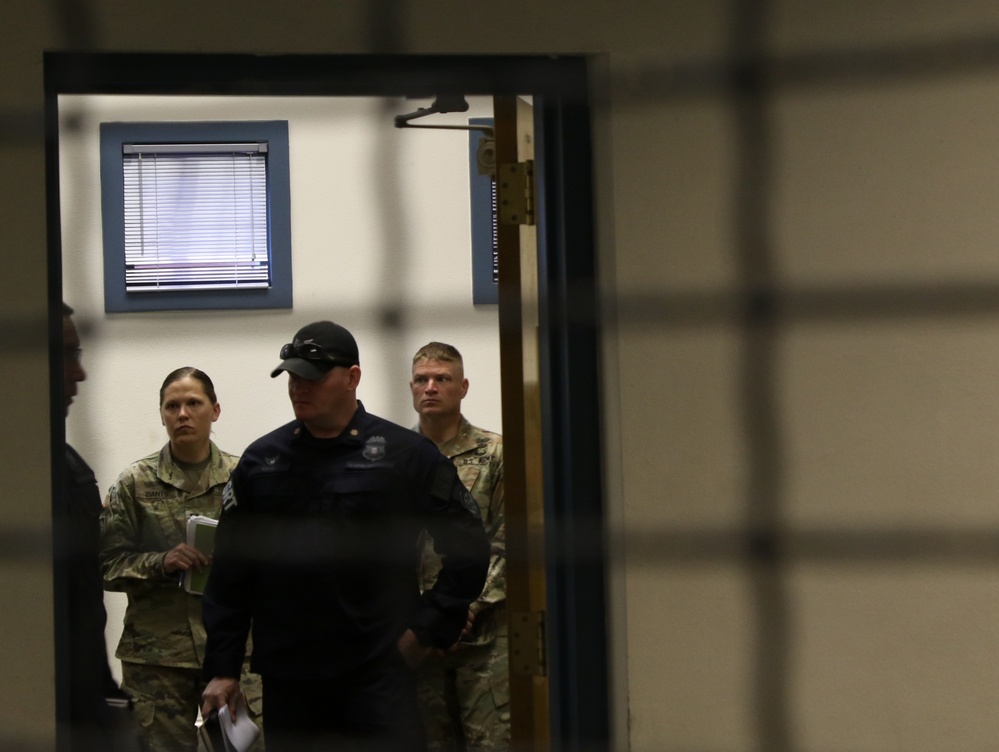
point(145, 554)
point(465, 693)
point(317, 549)
point(100, 714)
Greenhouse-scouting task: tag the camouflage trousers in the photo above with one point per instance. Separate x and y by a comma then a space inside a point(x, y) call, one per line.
point(464, 698)
point(167, 701)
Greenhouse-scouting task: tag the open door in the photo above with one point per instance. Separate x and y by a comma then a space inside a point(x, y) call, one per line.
point(517, 249)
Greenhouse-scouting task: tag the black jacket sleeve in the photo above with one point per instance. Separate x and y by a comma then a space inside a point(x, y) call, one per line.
point(460, 540)
point(227, 604)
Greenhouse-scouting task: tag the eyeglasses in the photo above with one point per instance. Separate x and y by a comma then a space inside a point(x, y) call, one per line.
point(309, 351)
point(73, 354)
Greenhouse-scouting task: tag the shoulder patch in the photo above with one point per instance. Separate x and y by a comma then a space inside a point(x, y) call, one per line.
point(468, 502)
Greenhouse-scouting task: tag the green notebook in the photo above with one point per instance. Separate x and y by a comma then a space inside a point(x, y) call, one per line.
point(201, 535)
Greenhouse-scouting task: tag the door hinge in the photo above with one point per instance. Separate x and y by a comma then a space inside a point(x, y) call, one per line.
point(527, 643)
point(515, 192)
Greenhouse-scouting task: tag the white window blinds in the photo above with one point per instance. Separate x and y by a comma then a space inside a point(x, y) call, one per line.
point(196, 216)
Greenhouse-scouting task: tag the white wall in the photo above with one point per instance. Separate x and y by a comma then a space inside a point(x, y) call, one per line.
point(380, 216)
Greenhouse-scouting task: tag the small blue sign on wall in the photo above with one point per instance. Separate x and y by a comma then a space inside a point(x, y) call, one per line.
point(485, 264)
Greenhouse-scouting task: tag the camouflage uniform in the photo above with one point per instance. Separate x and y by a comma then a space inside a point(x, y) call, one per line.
point(162, 645)
point(466, 692)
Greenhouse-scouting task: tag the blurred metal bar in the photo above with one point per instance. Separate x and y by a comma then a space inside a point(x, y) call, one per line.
point(20, 126)
point(834, 546)
point(25, 546)
point(75, 23)
point(668, 548)
point(751, 97)
point(870, 66)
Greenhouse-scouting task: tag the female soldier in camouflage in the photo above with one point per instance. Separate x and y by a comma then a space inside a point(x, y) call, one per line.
point(145, 554)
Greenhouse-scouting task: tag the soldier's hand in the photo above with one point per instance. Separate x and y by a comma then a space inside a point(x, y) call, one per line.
point(459, 645)
point(411, 650)
point(469, 623)
point(183, 557)
point(221, 691)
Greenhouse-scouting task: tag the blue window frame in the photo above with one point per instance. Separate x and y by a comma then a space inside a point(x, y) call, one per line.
point(196, 215)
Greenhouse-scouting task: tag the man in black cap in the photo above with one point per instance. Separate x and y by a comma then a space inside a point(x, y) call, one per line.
point(317, 547)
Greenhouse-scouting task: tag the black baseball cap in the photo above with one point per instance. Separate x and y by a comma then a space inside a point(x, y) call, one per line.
point(316, 349)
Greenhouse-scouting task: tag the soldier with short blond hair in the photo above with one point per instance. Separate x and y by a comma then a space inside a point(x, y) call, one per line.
point(464, 693)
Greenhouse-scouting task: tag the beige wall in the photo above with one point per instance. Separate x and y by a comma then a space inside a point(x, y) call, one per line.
point(873, 434)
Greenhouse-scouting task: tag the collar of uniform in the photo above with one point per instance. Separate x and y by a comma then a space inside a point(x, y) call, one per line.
point(456, 444)
point(357, 428)
point(168, 472)
point(217, 472)
point(353, 433)
point(460, 442)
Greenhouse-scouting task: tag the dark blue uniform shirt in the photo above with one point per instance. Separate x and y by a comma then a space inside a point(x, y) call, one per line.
point(95, 724)
point(318, 545)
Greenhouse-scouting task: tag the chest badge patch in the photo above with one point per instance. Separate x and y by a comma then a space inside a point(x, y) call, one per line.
point(374, 449)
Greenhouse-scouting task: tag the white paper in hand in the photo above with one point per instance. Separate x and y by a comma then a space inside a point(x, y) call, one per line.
point(238, 735)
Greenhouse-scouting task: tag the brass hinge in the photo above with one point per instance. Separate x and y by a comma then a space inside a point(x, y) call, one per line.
point(515, 192)
point(527, 643)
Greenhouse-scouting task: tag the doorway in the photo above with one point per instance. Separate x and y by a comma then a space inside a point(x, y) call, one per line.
point(567, 306)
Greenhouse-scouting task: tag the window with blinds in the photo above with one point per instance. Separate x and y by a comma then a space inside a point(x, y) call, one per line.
point(195, 216)
point(197, 222)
